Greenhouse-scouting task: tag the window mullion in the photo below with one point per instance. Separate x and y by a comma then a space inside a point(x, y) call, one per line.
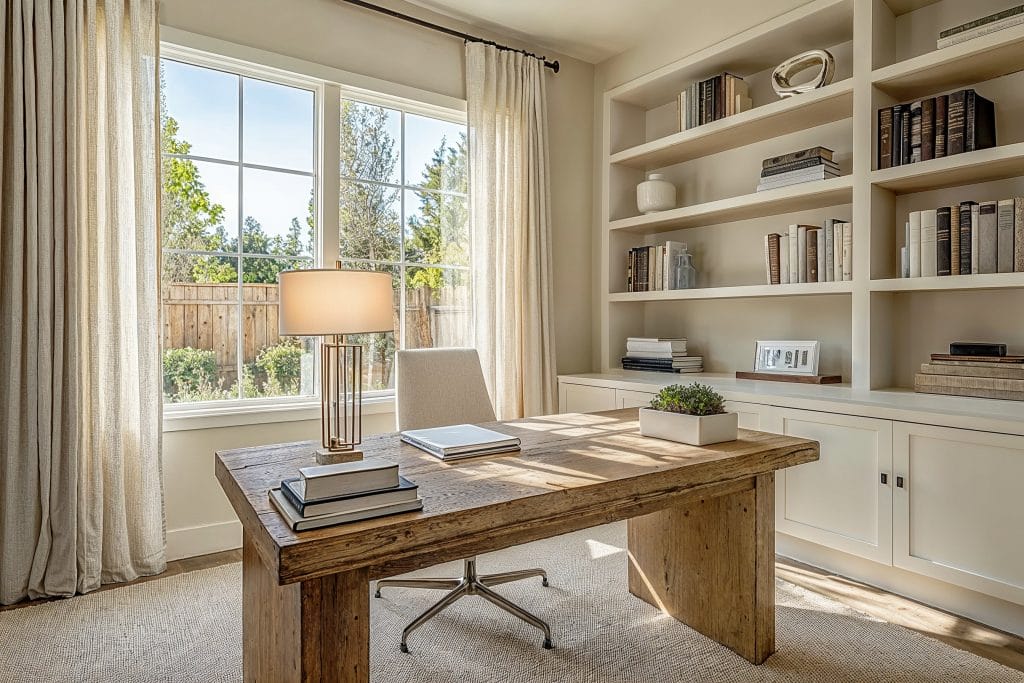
point(330, 176)
point(240, 220)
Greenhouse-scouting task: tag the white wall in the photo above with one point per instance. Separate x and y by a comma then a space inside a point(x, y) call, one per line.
point(199, 518)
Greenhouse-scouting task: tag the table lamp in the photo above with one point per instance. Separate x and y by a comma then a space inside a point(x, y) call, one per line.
point(331, 303)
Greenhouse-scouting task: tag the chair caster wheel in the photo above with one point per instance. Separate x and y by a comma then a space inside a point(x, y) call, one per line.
point(544, 582)
point(548, 645)
point(404, 648)
point(376, 594)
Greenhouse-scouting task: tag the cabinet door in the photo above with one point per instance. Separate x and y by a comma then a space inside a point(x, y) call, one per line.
point(581, 398)
point(626, 398)
point(839, 501)
point(959, 514)
point(748, 415)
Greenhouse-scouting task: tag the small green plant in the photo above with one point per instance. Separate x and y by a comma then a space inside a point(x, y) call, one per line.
point(189, 371)
point(691, 399)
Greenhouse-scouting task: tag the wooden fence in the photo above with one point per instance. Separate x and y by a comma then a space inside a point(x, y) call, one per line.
point(204, 316)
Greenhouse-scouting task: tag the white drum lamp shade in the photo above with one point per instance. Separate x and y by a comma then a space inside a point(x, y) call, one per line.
point(328, 301)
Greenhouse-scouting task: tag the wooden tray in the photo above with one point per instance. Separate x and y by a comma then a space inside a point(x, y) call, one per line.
point(781, 377)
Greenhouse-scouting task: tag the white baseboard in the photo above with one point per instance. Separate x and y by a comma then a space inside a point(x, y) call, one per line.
point(203, 540)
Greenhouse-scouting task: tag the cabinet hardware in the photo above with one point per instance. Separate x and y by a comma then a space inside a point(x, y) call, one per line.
point(899, 482)
point(885, 478)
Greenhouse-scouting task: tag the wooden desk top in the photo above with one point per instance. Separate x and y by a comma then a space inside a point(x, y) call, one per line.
point(574, 471)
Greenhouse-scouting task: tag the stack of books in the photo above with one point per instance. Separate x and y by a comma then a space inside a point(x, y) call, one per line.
point(935, 127)
point(967, 239)
point(981, 27)
point(460, 441)
point(661, 267)
point(323, 495)
point(660, 354)
point(978, 376)
point(810, 253)
point(712, 99)
point(804, 166)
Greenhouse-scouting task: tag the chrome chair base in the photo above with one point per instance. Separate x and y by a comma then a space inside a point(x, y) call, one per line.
point(471, 583)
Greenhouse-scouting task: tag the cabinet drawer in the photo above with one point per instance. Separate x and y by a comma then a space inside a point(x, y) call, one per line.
point(626, 398)
point(580, 398)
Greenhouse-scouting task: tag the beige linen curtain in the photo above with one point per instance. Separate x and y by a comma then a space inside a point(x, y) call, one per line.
point(80, 474)
point(511, 219)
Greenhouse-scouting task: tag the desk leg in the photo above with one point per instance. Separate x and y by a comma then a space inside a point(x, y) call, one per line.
point(316, 630)
point(710, 563)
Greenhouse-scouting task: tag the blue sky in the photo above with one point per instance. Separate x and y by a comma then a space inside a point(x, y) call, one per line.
point(277, 130)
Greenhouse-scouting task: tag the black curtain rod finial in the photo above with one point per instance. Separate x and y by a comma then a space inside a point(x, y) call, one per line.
point(554, 66)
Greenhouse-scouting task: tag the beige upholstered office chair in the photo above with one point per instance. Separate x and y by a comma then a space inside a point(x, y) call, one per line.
point(436, 388)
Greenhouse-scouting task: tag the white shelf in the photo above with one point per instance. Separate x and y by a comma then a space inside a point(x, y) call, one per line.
point(832, 103)
point(995, 163)
point(739, 292)
point(974, 61)
point(814, 195)
point(950, 282)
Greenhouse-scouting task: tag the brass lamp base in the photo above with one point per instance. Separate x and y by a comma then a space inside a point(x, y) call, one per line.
point(329, 457)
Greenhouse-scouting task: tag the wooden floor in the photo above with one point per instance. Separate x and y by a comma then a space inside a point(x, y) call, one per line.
point(953, 630)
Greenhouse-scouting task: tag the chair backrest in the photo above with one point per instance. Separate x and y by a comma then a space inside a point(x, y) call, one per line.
point(440, 387)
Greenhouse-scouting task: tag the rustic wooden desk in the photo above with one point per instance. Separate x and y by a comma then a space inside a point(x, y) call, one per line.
point(701, 532)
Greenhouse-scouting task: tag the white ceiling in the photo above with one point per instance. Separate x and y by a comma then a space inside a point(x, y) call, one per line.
point(591, 30)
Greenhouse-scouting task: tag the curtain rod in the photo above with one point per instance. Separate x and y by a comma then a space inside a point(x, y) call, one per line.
point(449, 31)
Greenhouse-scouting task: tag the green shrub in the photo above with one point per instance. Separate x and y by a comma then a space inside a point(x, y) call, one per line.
point(691, 399)
point(189, 372)
point(282, 364)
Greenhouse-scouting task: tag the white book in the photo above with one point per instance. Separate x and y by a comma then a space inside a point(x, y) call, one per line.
point(837, 250)
point(975, 238)
point(821, 251)
point(785, 180)
point(670, 346)
point(801, 240)
point(784, 260)
point(830, 269)
point(914, 244)
point(341, 479)
point(794, 250)
point(673, 250)
point(1004, 237)
point(671, 355)
point(928, 243)
point(847, 251)
point(459, 440)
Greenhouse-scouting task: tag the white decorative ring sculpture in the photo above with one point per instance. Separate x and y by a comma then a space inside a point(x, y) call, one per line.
point(781, 77)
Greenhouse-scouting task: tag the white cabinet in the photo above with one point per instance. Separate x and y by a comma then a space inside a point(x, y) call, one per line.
point(581, 398)
point(748, 414)
point(958, 507)
point(844, 499)
point(626, 398)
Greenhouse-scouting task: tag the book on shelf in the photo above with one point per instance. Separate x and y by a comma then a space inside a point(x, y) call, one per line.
point(804, 175)
point(460, 441)
point(712, 99)
point(998, 21)
point(690, 364)
point(977, 369)
point(812, 232)
point(808, 253)
point(829, 233)
point(847, 255)
point(657, 268)
point(294, 491)
point(340, 479)
point(812, 162)
point(970, 238)
point(801, 155)
point(772, 262)
point(298, 522)
point(929, 243)
point(934, 127)
point(801, 241)
point(978, 387)
point(656, 344)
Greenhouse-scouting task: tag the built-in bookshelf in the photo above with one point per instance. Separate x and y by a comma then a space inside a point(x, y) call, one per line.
point(876, 327)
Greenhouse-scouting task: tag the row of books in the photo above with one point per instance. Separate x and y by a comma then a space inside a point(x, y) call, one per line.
point(998, 21)
point(324, 495)
point(978, 376)
point(963, 240)
point(712, 99)
point(810, 253)
point(660, 267)
point(660, 354)
point(935, 127)
point(803, 166)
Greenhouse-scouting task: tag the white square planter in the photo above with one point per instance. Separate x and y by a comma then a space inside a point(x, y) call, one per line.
point(690, 429)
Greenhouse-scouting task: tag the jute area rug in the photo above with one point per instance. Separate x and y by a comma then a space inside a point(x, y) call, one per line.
point(188, 628)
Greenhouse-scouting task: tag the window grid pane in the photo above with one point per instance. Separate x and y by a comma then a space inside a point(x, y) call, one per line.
point(220, 310)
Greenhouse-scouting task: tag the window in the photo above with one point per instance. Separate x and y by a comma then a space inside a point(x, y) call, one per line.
point(404, 210)
point(238, 206)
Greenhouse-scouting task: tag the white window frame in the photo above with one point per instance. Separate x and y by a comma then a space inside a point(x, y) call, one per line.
point(403, 185)
point(328, 84)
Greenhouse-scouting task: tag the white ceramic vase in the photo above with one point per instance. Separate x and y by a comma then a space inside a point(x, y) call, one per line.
point(655, 194)
point(696, 430)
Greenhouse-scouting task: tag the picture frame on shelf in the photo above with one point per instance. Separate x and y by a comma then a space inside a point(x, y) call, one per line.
point(787, 357)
